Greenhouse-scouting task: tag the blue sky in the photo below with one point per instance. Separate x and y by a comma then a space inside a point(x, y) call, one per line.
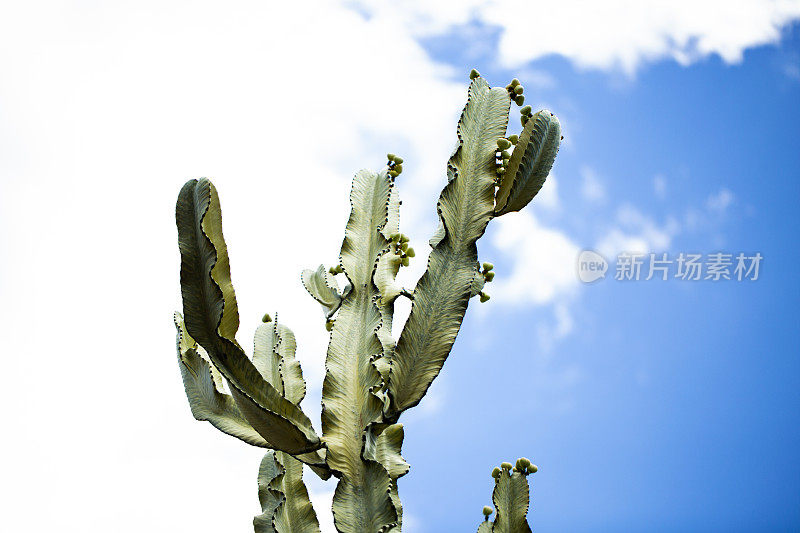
point(670, 405)
point(648, 405)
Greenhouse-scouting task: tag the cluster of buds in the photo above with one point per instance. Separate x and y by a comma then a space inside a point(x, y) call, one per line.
point(523, 466)
point(526, 113)
point(488, 276)
point(515, 90)
point(399, 244)
point(502, 156)
point(395, 165)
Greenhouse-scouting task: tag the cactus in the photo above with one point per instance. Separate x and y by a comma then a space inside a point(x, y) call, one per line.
point(369, 379)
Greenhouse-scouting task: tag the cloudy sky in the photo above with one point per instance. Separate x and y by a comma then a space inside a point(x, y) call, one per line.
point(648, 405)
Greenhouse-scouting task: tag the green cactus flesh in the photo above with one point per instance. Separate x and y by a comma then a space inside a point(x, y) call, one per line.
point(369, 379)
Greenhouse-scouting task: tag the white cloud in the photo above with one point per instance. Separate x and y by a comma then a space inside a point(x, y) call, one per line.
point(636, 232)
point(609, 35)
point(547, 198)
point(660, 186)
point(107, 109)
point(542, 261)
point(720, 201)
point(592, 189)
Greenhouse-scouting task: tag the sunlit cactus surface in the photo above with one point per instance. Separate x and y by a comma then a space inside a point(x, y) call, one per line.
point(370, 379)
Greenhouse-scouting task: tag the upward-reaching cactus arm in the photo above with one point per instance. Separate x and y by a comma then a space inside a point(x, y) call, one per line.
point(285, 504)
point(465, 207)
point(274, 349)
point(382, 444)
point(510, 498)
point(211, 318)
point(207, 398)
point(349, 391)
point(530, 162)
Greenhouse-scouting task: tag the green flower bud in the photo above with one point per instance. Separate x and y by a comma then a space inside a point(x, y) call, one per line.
point(474, 74)
point(505, 155)
point(514, 82)
point(394, 173)
point(398, 160)
point(266, 318)
point(527, 110)
point(485, 298)
point(506, 466)
point(523, 120)
point(503, 144)
point(404, 245)
point(501, 170)
point(518, 89)
point(398, 168)
point(487, 511)
point(521, 466)
point(488, 266)
point(390, 157)
point(513, 138)
point(404, 261)
point(403, 238)
point(489, 277)
point(410, 252)
point(395, 237)
point(532, 469)
point(329, 325)
point(519, 99)
point(496, 472)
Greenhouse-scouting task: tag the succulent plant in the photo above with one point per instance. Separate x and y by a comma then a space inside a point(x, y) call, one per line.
point(370, 380)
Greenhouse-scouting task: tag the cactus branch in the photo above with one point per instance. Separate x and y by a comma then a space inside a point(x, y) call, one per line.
point(211, 318)
point(465, 207)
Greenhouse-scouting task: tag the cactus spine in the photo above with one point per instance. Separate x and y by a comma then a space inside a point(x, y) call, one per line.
point(369, 380)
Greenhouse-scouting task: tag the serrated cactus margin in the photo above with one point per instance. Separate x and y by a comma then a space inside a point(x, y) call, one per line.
point(369, 379)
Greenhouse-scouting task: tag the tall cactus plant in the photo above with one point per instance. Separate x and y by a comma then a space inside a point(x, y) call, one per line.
point(369, 379)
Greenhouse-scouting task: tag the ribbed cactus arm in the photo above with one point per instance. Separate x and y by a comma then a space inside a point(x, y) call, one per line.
point(285, 504)
point(510, 498)
point(530, 162)
point(274, 348)
point(211, 317)
point(349, 392)
point(205, 392)
point(465, 207)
